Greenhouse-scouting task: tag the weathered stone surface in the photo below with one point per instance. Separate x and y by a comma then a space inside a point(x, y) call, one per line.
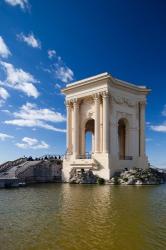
point(82, 177)
point(139, 176)
point(30, 171)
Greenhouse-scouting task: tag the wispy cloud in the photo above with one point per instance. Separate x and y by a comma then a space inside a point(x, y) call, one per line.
point(3, 95)
point(32, 116)
point(59, 69)
point(149, 139)
point(30, 111)
point(19, 79)
point(32, 143)
point(30, 40)
point(3, 137)
point(6, 111)
point(57, 86)
point(159, 128)
point(51, 53)
point(64, 74)
point(23, 4)
point(164, 111)
point(4, 50)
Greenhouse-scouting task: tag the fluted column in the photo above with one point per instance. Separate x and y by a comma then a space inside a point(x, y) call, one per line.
point(106, 117)
point(76, 127)
point(142, 128)
point(68, 137)
point(97, 122)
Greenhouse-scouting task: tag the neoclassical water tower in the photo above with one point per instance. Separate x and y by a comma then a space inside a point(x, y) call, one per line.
point(113, 111)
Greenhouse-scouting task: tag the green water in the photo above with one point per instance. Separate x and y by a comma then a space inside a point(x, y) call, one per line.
point(83, 217)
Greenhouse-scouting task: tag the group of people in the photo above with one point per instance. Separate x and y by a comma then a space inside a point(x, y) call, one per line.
point(47, 157)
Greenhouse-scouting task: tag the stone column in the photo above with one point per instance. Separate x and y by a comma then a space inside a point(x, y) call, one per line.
point(76, 128)
point(97, 123)
point(142, 128)
point(83, 141)
point(106, 117)
point(93, 139)
point(68, 137)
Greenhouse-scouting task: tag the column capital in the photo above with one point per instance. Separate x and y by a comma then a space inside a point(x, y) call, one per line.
point(75, 102)
point(142, 103)
point(105, 94)
point(96, 96)
point(68, 103)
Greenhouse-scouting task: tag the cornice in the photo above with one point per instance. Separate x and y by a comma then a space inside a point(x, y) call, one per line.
point(110, 81)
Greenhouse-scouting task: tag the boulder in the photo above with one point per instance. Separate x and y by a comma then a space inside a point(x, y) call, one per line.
point(138, 176)
point(82, 177)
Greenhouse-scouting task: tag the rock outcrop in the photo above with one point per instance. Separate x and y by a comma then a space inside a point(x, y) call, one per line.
point(82, 177)
point(138, 176)
point(30, 171)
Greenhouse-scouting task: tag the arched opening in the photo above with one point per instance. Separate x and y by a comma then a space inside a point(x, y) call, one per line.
point(89, 138)
point(122, 138)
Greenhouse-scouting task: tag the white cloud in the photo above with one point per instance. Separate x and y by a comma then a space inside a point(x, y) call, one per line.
point(3, 93)
point(30, 111)
point(159, 128)
point(59, 69)
point(23, 4)
point(64, 74)
point(5, 111)
point(29, 40)
point(32, 143)
point(57, 86)
point(164, 111)
point(19, 79)
point(4, 50)
point(149, 139)
point(3, 137)
point(32, 116)
point(51, 54)
point(3, 96)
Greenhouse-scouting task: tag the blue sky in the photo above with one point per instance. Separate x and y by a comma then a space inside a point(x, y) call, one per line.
point(46, 44)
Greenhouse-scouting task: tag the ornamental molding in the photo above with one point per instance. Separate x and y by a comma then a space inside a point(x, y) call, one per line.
point(90, 115)
point(142, 102)
point(88, 101)
point(121, 115)
point(96, 96)
point(105, 94)
point(68, 103)
point(123, 100)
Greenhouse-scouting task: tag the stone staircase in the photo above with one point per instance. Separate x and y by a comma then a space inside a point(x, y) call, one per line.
point(84, 164)
point(9, 164)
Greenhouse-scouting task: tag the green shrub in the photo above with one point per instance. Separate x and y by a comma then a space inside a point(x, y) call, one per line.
point(100, 181)
point(116, 180)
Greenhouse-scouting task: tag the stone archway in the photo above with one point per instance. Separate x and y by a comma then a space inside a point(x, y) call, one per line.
point(89, 137)
point(122, 138)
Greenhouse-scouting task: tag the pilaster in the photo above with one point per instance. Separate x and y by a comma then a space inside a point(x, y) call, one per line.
point(76, 127)
point(142, 128)
point(97, 122)
point(68, 129)
point(106, 116)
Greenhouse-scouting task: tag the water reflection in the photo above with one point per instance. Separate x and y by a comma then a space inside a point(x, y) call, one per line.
point(57, 216)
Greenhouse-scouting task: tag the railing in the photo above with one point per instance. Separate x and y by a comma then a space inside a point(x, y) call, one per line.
point(87, 155)
point(125, 157)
